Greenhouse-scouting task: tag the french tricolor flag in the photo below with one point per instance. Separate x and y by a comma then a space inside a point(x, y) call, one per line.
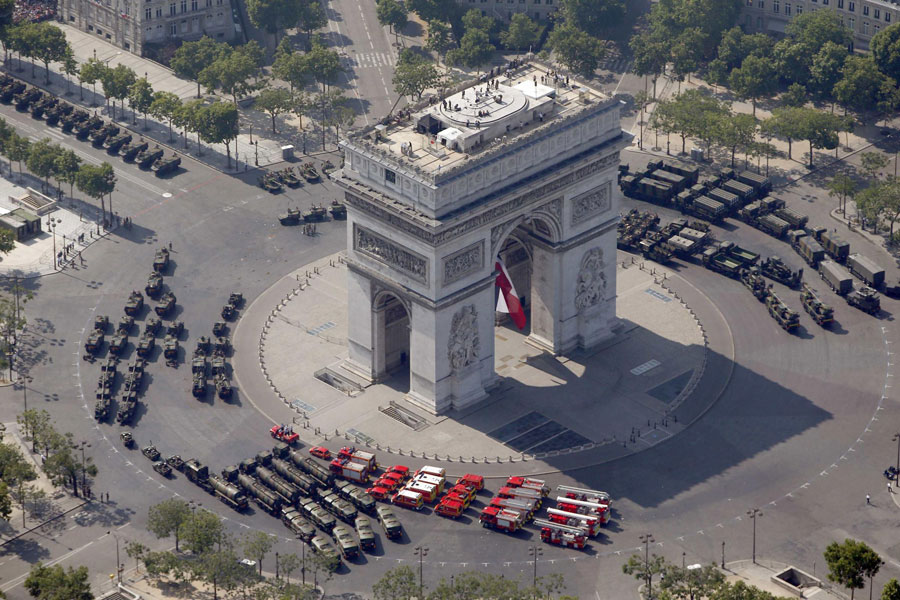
point(508, 299)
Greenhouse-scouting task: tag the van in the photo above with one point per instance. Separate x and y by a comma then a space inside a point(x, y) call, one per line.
point(432, 480)
point(408, 499)
point(426, 490)
point(429, 470)
point(389, 522)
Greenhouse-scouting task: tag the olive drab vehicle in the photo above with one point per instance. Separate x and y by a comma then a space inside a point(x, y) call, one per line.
point(24, 100)
point(202, 348)
point(146, 158)
point(228, 312)
point(165, 304)
point(145, 345)
point(309, 172)
point(127, 439)
point(115, 143)
point(150, 452)
point(236, 299)
point(219, 328)
point(84, 128)
point(218, 365)
point(161, 260)
point(198, 387)
point(756, 283)
point(315, 214)
point(164, 166)
point(130, 152)
point(154, 285)
point(223, 388)
point(198, 365)
point(127, 408)
point(134, 376)
point(291, 217)
point(152, 326)
point(271, 183)
point(135, 303)
point(288, 178)
point(338, 210)
point(101, 323)
point(94, 341)
point(821, 313)
point(865, 299)
point(222, 346)
point(170, 350)
point(176, 462)
point(175, 329)
point(125, 325)
point(775, 269)
point(117, 343)
point(99, 137)
point(783, 315)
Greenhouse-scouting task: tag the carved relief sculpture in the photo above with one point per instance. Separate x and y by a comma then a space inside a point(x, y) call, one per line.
point(590, 204)
point(389, 253)
point(464, 346)
point(591, 286)
point(461, 263)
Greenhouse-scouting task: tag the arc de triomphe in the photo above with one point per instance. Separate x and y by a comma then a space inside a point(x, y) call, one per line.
point(523, 161)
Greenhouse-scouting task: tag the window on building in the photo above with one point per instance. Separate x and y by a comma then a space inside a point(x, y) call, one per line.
point(159, 12)
point(184, 26)
point(887, 17)
point(799, 9)
point(149, 32)
point(194, 5)
point(761, 4)
point(776, 6)
point(173, 29)
point(219, 19)
point(865, 28)
point(99, 31)
point(865, 10)
point(851, 6)
point(208, 3)
point(851, 24)
point(747, 21)
point(172, 9)
point(759, 23)
point(90, 27)
point(148, 13)
point(825, 2)
point(876, 30)
point(787, 8)
point(390, 176)
point(877, 14)
point(183, 6)
point(548, 2)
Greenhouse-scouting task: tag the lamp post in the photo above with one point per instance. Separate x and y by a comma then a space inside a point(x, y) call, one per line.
point(896, 438)
point(255, 152)
point(276, 565)
point(421, 552)
point(683, 554)
point(647, 539)
point(83, 466)
point(303, 564)
point(52, 222)
point(753, 513)
point(534, 552)
point(118, 564)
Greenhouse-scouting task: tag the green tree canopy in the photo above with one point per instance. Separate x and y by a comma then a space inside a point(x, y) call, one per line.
point(201, 531)
point(49, 44)
point(754, 80)
point(191, 58)
point(475, 49)
point(397, 583)
point(230, 73)
point(734, 132)
point(56, 583)
point(850, 562)
point(594, 17)
point(90, 72)
point(274, 101)
point(257, 545)
point(885, 47)
point(273, 15)
point(310, 16)
point(291, 67)
point(140, 96)
point(521, 34)
point(117, 82)
point(577, 50)
point(166, 518)
point(842, 187)
point(323, 64)
point(891, 590)
point(42, 158)
point(165, 106)
point(391, 13)
point(414, 74)
point(795, 95)
point(862, 86)
point(439, 39)
point(218, 124)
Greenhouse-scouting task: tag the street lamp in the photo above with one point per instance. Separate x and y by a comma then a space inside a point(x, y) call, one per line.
point(276, 565)
point(534, 552)
point(52, 222)
point(647, 539)
point(118, 564)
point(753, 513)
point(83, 466)
point(256, 152)
point(421, 552)
point(896, 438)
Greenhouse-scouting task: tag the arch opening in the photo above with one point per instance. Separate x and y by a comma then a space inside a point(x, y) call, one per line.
point(391, 328)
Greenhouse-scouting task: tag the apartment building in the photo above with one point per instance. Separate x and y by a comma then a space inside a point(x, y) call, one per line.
point(130, 24)
point(865, 18)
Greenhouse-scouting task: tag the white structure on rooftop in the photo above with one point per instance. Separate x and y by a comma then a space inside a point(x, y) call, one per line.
point(521, 167)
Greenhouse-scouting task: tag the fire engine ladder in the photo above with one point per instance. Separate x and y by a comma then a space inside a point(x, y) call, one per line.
point(560, 528)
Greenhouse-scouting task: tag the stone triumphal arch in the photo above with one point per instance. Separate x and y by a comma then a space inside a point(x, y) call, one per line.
point(522, 165)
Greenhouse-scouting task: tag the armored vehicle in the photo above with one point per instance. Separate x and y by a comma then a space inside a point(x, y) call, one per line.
point(175, 329)
point(94, 341)
point(170, 348)
point(84, 128)
point(236, 299)
point(270, 183)
point(198, 387)
point(338, 210)
point(175, 462)
point(198, 365)
point(149, 156)
point(865, 299)
point(150, 452)
point(784, 316)
point(135, 375)
point(135, 303)
point(315, 214)
point(755, 282)
point(218, 365)
point(161, 260)
point(309, 172)
point(146, 345)
point(127, 408)
point(820, 312)
point(10, 91)
point(165, 304)
point(775, 269)
point(115, 143)
point(202, 346)
point(102, 408)
point(219, 328)
point(288, 177)
point(126, 324)
point(129, 152)
point(228, 312)
point(154, 285)
point(100, 135)
point(223, 388)
point(162, 468)
point(291, 217)
point(117, 343)
point(28, 96)
point(152, 326)
point(222, 346)
point(101, 323)
point(164, 166)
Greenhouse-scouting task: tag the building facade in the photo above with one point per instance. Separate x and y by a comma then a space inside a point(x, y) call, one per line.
point(521, 168)
point(130, 24)
point(538, 10)
point(864, 18)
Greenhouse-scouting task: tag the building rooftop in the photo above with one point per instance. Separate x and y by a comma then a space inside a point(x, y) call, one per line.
point(478, 119)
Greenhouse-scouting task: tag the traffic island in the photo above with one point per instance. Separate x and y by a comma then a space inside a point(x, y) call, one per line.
point(616, 399)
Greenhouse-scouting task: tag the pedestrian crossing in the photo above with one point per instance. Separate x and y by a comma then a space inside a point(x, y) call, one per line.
point(368, 60)
point(615, 63)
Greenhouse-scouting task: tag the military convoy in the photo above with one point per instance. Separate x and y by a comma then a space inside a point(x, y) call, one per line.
point(775, 269)
point(865, 299)
point(161, 260)
point(163, 166)
point(787, 318)
point(821, 313)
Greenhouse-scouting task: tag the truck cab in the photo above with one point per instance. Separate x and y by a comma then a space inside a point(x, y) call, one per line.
point(389, 522)
point(346, 543)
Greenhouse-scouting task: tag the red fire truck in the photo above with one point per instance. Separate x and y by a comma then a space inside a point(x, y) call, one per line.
point(353, 471)
point(528, 482)
point(358, 456)
point(519, 492)
point(590, 523)
point(522, 505)
point(450, 507)
point(472, 481)
point(501, 519)
point(595, 496)
point(584, 507)
point(561, 535)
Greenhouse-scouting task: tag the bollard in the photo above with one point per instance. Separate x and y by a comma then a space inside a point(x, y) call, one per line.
point(461, 459)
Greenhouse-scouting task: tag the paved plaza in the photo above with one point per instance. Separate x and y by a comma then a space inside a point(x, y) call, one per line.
point(601, 397)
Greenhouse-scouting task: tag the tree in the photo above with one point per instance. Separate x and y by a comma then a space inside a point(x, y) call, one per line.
point(33, 420)
point(692, 583)
point(393, 14)
point(872, 163)
point(795, 96)
point(310, 16)
point(650, 56)
point(786, 123)
point(140, 96)
point(231, 74)
point(323, 64)
point(474, 19)
point(136, 550)
point(91, 72)
point(66, 168)
point(522, 33)
point(165, 105)
point(821, 129)
point(218, 123)
point(850, 562)
point(201, 531)
point(741, 591)
point(339, 114)
point(439, 39)
point(42, 159)
point(117, 82)
point(687, 52)
point(891, 590)
point(641, 101)
point(754, 80)
point(64, 466)
point(50, 45)
point(692, 114)
point(807, 33)
point(398, 583)
point(862, 85)
point(191, 58)
point(56, 583)
point(437, 10)
point(842, 187)
point(17, 148)
point(885, 48)
point(826, 67)
point(869, 204)
point(96, 182)
point(273, 15)
point(274, 101)
point(23, 39)
point(186, 117)
point(5, 501)
point(220, 569)
point(291, 67)
point(167, 518)
point(414, 74)
point(70, 68)
point(475, 49)
point(642, 571)
point(577, 50)
point(594, 17)
point(288, 563)
point(257, 545)
point(735, 131)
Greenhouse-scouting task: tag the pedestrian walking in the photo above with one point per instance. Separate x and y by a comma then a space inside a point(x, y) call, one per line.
point(170, 245)
point(868, 500)
point(890, 489)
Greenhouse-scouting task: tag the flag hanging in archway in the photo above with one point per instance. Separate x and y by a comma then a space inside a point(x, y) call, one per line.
point(508, 299)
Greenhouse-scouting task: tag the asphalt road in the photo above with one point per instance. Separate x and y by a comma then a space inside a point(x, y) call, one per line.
point(802, 431)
